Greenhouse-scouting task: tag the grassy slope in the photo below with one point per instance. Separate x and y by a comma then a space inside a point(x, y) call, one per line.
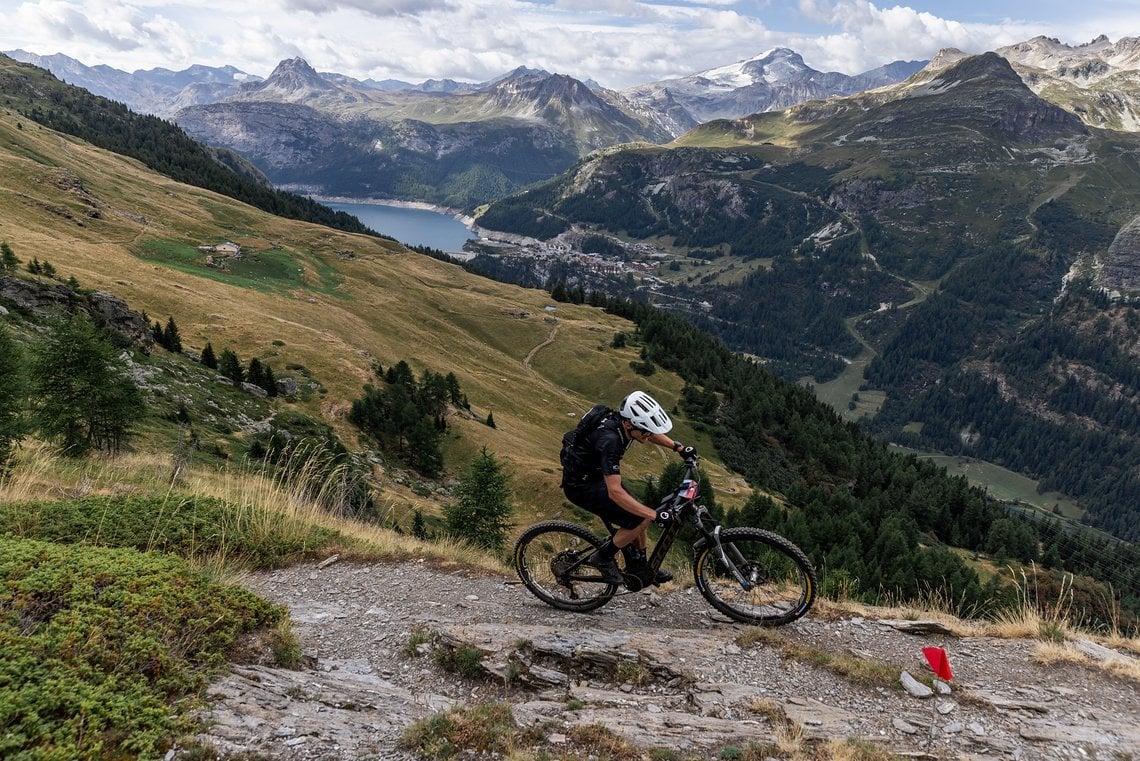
point(388, 304)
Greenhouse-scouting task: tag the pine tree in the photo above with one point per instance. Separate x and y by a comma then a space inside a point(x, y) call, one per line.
point(84, 397)
point(8, 260)
point(482, 514)
point(269, 382)
point(12, 393)
point(491, 419)
point(34, 266)
point(423, 452)
point(47, 269)
point(255, 373)
point(208, 358)
point(171, 340)
point(230, 366)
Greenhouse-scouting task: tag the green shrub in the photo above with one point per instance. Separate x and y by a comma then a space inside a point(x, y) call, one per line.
point(97, 643)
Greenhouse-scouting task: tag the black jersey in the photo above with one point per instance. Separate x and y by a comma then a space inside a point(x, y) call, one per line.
point(599, 454)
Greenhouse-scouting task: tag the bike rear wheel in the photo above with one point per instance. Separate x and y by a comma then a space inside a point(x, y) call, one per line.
point(762, 578)
point(549, 558)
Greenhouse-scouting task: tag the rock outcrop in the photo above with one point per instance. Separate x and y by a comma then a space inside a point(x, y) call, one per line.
point(1121, 270)
point(55, 299)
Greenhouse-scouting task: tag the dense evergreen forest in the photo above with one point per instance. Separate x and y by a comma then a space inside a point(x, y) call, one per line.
point(880, 524)
point(1081, 436)
point(159, 144)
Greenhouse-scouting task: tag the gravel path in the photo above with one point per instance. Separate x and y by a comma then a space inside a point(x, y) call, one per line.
point(362, 688)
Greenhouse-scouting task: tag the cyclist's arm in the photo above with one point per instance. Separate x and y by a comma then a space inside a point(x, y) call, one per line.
point(662, 440)
point(625, 500)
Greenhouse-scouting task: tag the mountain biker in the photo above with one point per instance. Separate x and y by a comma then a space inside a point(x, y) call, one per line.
point(593, 481)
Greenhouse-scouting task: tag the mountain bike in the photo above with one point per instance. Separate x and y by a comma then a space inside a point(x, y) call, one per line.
point(751, 575)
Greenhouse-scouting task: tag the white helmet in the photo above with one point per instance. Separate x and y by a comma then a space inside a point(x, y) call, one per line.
point(643, 411)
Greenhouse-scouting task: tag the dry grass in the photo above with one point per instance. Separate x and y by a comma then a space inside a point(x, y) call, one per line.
point(387, 304)
point(265, 504)
point(859, 670)
point(1051, 622)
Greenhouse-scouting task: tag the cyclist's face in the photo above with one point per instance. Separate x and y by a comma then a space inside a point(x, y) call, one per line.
point(637, 433)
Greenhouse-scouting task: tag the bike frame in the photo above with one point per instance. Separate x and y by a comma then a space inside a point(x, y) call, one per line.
point(685, 504)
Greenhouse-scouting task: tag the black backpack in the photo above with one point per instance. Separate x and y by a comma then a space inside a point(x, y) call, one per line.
point(570, 455)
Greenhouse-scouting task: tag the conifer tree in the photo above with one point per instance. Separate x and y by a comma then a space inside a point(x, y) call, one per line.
point(34, 266)
point(84, 397)
point(208, 358)
point(171, 340)
point(269, 383)
point(47, 269)
point(230, 366)
point(491, 419)
point(482, 514)
point(255, 373)
point(12, 392)
point(8, 260)
point(419, 526)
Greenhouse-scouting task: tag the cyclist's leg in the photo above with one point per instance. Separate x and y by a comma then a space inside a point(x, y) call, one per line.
point(595, 498)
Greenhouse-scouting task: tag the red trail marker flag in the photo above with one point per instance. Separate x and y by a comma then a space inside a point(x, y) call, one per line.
point(939, 662)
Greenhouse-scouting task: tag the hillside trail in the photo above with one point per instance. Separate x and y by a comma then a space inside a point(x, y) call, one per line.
point(550, 338)
point(660, 669)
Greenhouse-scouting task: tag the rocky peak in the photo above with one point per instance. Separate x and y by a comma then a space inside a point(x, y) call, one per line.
point(944, 58)
point(522, 74)
point(987, 65)
point(292, 80)
point(777, 65)
point(531, 89)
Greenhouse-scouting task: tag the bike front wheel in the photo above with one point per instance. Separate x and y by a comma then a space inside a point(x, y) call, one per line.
point(550, 561)
point(760, 578)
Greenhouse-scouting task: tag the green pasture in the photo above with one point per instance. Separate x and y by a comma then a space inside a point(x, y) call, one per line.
point(274, 271)
point(1004, 484)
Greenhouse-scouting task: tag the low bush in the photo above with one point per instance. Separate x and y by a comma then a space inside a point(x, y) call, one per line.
point(97, 644)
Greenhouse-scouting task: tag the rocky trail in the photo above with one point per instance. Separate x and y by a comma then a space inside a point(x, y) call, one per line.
point(659, 669)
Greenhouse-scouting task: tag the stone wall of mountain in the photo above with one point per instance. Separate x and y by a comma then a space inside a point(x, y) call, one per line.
point(1098, 81)
point(1120, 273)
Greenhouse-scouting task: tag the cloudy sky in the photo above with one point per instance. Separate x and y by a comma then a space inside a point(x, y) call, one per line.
point(616, 42)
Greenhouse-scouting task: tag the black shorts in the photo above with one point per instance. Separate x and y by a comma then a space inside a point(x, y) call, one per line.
point(595, 497)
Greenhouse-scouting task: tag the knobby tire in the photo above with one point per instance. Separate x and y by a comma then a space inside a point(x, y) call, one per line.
point(780, 579)
point(546, 559)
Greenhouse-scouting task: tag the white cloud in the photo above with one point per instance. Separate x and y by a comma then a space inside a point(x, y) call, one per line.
point(377, 8)
point(617, 42)
point(871, 36)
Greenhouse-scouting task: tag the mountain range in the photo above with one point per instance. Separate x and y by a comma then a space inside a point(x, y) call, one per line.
point(941, 252)
point(462, 144)
point(768, 82)
point(445, 142)
point(947, 237)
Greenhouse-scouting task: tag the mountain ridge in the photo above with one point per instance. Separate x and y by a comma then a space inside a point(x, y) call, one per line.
point(770, 81)
point(923, 232)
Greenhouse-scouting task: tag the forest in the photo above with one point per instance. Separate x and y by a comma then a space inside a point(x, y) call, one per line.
point(879, 523)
